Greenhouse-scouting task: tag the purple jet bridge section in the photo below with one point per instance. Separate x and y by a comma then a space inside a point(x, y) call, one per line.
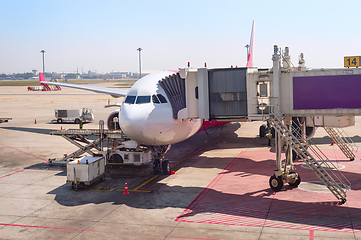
point(327, 92)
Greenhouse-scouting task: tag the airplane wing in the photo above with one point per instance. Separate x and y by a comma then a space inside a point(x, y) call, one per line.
point(114, 92)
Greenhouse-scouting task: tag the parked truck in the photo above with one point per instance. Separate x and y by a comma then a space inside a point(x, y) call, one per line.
point(74, 115)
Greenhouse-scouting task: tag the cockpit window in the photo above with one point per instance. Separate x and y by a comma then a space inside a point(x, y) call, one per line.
point(162, 98)
point(155, 99)
point(130, 99)
point(143, 99)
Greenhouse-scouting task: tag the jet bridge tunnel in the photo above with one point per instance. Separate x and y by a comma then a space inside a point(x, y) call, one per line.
point(210, 94)
point(247, 94)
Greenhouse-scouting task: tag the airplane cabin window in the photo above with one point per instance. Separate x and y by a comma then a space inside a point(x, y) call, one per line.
point(130, 99)
point(162, 98)
point(143, 99)
point(155, 99)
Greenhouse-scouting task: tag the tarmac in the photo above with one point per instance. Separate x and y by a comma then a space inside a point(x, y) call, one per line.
point(220, 188)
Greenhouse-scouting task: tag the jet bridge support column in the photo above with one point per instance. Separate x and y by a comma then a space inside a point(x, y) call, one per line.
point(276, 106)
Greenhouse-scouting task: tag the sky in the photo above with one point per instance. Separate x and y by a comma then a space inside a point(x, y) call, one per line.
point(104, 36)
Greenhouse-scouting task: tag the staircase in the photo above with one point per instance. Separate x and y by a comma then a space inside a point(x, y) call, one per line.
point(344, 142)
point(324, 169)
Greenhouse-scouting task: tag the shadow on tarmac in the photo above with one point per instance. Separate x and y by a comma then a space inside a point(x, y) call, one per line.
point(211, 206)
point(259, 204)
point(31, 130)
point(327, 140)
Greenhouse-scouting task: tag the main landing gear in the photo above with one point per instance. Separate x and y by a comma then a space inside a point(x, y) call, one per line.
point(160, 166)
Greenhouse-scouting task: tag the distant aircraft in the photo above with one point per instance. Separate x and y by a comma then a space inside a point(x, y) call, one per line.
point(148, 114)
point(45, 87)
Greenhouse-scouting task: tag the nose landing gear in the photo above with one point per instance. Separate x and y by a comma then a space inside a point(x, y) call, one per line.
point(160, 166)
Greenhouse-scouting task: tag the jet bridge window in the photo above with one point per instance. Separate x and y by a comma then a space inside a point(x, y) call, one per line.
point(143, 99)
point(130, 99)
point(263, 90)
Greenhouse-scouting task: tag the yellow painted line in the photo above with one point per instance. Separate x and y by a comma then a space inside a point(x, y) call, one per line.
point(104, 99)
point(146, 182)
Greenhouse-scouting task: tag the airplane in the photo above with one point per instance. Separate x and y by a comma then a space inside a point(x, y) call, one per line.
point(148, 113)
point(45, 87)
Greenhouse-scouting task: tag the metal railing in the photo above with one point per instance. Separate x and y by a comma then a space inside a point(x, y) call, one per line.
point(324, 169)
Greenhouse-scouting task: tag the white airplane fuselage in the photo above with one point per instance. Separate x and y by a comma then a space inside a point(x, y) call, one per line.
point(148, 119)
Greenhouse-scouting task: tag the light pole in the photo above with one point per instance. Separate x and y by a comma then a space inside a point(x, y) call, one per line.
point(247, 46)
point(140, 63)
point(43, 51)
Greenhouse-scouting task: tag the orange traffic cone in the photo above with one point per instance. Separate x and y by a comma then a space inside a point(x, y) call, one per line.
point(35, 121)
point(126, 188)
point(332, 142)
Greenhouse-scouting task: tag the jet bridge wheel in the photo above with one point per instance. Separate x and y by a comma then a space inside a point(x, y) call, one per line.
point(276, 183)
point(296, 182)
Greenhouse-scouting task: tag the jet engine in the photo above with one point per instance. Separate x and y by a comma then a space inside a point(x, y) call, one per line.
point(113, 120)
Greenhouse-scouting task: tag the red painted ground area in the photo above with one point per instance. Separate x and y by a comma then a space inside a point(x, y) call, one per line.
point(241, 196)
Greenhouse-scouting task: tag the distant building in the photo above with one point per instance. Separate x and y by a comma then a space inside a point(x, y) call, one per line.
point(117, 75)
point(55, 75)
point(91, 74)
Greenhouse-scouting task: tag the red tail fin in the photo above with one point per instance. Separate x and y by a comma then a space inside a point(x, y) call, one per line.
point(41, 77)
point(250, 49)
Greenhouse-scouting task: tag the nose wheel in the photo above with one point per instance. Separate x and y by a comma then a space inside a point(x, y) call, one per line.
point(161, 167)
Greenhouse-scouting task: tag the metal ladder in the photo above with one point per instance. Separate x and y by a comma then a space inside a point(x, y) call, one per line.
point(344, 142)
point(324, 169)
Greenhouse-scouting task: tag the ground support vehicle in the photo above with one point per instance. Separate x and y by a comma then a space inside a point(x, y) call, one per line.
point(85, 171)
point(74, 115)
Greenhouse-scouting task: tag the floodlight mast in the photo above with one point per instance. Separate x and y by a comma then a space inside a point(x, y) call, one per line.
point(140, 63)
point(43, 52)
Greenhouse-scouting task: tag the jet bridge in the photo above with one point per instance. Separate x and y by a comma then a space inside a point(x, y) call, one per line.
point(326, 98)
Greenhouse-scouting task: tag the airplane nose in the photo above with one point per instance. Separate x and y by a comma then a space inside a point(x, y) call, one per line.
point(133, 121)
